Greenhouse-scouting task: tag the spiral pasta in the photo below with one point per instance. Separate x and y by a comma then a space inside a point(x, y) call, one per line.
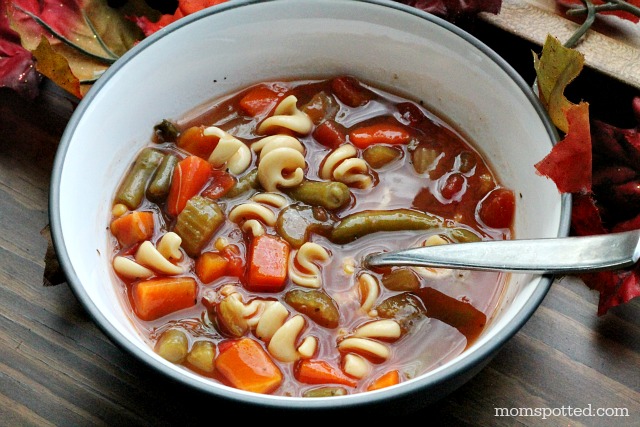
point(281, 167)
point(251, 216)
point(287, 116)
point(270, 143)
point(342, 165)
point(229, 151)
point(308, 275)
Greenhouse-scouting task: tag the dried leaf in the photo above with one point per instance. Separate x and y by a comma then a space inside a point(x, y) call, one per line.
point(56, 67)
point(17, 67)
point(185, 7)
point(88, 34)
point(569, 162)
point(555, 69)
point(453, 10)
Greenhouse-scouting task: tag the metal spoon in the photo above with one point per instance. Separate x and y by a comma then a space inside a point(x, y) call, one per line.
point(545, 255)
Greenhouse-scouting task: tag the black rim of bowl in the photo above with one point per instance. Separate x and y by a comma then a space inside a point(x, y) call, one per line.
point(456, 370)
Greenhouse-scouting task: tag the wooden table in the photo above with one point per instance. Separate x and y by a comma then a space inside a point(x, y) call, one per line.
point(57, 368)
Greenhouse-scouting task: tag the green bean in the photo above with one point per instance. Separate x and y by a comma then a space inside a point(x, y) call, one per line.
point(132, 189)
point(330, 195)
point(197, 223)
point(405, 308)
point(325, 392)
point(166, 131)
point(462, 235)
point(360, 224)
point(297, 221)
point(160, 184)
point(244, 184)
point(401, 279)
point(317, 305)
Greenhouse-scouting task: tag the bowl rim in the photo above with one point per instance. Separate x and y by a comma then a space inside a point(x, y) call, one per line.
point(463, 366)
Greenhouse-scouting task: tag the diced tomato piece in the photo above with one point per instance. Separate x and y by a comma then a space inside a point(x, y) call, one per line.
point(498, 208)
point(189, 176)
point(220, 185)
point(330, 134)
point(259, 100)
point(350, 92)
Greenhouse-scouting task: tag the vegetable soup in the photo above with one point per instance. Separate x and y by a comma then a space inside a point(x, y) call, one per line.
point(240, 230)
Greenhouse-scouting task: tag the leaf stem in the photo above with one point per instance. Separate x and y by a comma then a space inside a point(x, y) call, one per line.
point(611, 6)
point(63, 39)
point(591, 17)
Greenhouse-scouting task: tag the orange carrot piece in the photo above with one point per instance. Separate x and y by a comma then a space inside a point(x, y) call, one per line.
point(258, 100)
point(133, 227)
point(310, 371)
point(388, 379)
point(189, 177)
point(211, 266)
point(381, 133)
point(235, 267)
point(268, 263)
point(247, 366)
point(196, 142)
point(156, 298)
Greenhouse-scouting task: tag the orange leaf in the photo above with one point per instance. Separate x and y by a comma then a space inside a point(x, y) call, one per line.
point(56, 67)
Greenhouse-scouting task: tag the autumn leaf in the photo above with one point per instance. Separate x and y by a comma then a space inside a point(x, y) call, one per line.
point(185, 7)
point(88, 34)
point(17, 66)
point(56, 67)
point(452, 10)
point(569, 162)
point(555, 69)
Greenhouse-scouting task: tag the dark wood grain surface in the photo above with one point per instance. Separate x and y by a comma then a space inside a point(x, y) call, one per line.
point(58, 368)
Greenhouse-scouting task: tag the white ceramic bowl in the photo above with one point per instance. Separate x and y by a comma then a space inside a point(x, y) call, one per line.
point(219, 50)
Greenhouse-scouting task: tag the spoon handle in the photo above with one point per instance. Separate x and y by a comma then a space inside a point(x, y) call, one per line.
point(547, 255)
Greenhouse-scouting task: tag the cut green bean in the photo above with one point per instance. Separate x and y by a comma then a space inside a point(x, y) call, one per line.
point(363, 223)
point(132, 189)
point(166, 131)
point(325, 392)
point(245, 184)
point(197, 223)
point(319, 306)
point(160, 184)
point(330, 195)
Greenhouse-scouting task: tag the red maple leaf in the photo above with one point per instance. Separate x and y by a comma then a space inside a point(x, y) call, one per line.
point(17, 66)
point(569, 162)
point(454, 9)
point(612, 206)
point(185, 7)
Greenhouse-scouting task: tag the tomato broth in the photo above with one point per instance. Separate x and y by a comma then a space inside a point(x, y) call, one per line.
point(239, 235)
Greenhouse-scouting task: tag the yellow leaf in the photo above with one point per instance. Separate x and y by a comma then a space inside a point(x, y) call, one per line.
point(56, 67)
point(555, 69)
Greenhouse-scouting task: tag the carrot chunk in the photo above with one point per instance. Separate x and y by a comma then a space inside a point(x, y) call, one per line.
point(211, 266)
point(196, 142)
point(247, 366)
point(310, 371)
point(156, 298)
point(381, 133)
point(258, 100)
point(133, 227)
point(388, 379)
point(189, 177)
point(268, 263)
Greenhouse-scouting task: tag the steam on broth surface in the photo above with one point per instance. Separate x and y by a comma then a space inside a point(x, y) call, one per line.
point(239, 234)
